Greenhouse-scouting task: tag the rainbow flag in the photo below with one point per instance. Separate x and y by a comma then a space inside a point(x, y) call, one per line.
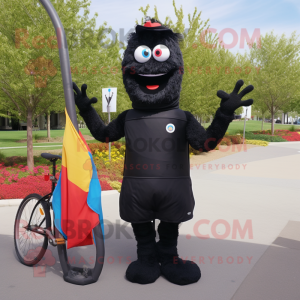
point(77, 195)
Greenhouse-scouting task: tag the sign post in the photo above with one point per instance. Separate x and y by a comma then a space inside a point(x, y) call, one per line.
point(245, 126)
point(109, 104)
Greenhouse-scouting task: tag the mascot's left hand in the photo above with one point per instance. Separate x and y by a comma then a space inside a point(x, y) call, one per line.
point(230, 102)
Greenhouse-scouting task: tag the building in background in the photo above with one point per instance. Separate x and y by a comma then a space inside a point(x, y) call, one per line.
point(5, 123)
point(57, 121)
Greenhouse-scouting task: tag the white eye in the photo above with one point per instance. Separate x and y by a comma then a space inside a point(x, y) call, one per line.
point(161, 52)
point(142, 54)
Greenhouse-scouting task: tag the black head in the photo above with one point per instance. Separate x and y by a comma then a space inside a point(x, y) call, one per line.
point(153, 67)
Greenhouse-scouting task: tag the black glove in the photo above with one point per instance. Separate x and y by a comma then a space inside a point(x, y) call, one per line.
point(81, 99)
point(231, 102)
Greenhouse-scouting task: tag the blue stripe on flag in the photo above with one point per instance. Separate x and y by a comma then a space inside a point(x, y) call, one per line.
point(94, 195)
point(56, 204)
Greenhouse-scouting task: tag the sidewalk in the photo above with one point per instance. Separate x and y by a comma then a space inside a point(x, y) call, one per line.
point(259, 263)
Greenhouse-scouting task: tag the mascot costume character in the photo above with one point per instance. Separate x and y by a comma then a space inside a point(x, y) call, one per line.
point(157, 183)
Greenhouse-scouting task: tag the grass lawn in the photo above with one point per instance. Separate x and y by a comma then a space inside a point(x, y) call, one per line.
point(23, 151)
point(10, 138)
point(238, 126)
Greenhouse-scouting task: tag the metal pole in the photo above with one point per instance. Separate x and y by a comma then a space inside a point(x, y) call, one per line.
point(64, 60)
point(245, 126)
point(68, 270)
point(109, 144)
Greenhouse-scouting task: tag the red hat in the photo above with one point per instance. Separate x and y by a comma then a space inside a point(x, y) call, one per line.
point(149, 26)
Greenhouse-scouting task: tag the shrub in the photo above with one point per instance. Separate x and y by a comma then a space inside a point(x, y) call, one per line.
point(291, 136)
point(116, 154)
point(38, 160)
point(116, 185)
point(118, 145)
point(263, 137)
point(35, 137)
point(2, 156)
point(292, 128)
point(285, 134)
point(104, 146)
point(122, 150)
point(10, 161)
point(257, 142)
point(193, 151)
point(225, 141)
point(105, 186)
point(98, 146)
point(235, 139)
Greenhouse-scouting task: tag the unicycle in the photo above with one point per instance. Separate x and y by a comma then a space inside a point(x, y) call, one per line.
point(34, 229)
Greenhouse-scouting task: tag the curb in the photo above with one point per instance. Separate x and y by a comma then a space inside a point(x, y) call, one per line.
point(16, 202)
point(10, 202)
point(284, 143)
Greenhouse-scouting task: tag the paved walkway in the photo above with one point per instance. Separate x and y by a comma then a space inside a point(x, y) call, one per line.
point(257, 190)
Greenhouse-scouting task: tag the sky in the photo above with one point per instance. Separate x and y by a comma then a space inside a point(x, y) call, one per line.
point(282, 16)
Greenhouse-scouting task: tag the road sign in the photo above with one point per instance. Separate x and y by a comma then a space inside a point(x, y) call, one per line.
point(109, 99)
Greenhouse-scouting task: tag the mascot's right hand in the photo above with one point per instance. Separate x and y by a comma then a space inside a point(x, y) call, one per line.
point(81, 99)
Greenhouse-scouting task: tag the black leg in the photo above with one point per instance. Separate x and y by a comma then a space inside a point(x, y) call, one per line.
point(146, 268)
point(172, 267)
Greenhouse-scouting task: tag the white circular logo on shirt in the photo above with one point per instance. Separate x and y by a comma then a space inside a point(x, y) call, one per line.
point(170, 128)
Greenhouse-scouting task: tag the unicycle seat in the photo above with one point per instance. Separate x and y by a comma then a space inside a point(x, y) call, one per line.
point(51, 157)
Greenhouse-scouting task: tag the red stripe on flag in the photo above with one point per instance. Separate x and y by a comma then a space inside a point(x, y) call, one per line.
point(77, 219)
point(87, 146)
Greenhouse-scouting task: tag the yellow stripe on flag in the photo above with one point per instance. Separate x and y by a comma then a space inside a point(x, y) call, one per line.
point(75, 157)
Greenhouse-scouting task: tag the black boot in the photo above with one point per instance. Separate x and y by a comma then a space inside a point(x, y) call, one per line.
point(172, 267)
point(146, 268)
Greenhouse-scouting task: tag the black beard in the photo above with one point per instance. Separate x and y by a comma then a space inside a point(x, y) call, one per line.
point(165, 96)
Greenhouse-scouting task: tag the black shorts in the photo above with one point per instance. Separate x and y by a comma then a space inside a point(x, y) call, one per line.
point(166, 199)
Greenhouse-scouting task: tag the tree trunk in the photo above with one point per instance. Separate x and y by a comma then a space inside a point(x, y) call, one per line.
point(30, 162)
point(48, 127)
point(262, 122)
point(272, 122)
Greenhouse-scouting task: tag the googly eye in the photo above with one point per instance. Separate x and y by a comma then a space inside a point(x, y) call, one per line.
point(142, 54)
point(161, 53)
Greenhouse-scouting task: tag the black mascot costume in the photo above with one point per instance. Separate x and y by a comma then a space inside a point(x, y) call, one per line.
point(157, 183)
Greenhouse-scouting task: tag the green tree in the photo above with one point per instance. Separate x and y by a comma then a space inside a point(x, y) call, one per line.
point(261, 110)
point(295, 103)
point(30, 76)
point(277, 82)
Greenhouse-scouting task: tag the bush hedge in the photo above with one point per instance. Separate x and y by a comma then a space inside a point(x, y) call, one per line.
point(257, 142)
point(263, 137)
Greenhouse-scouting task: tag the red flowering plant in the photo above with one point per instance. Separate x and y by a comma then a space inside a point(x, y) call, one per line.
point(16, 182)
point(288, 135)
point(292, 136)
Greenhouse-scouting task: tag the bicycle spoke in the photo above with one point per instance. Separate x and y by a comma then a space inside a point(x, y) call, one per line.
point(29, 244)
point(42, 222)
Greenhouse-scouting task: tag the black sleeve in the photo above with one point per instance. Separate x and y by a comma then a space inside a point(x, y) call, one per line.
point(206, 140)
point(110, 133)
